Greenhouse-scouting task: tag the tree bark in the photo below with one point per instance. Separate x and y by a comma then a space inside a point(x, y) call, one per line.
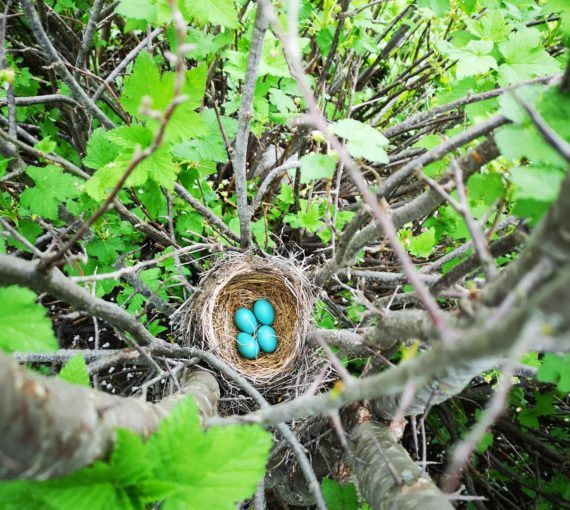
point(51, 427)
point(387, 476)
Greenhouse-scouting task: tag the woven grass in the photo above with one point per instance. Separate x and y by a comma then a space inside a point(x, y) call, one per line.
point(238, 280)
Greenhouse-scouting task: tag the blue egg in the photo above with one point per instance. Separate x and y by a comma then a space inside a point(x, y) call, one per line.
point(245, 320)
point(247, 346)
point(264, 312)
point(267, 339)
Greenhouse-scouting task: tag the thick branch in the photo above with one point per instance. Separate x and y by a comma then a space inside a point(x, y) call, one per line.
point(22, 272)
point(386, 474)
point(51, 427)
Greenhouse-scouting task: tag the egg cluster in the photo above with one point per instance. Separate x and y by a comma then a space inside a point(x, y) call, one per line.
point(256, 333)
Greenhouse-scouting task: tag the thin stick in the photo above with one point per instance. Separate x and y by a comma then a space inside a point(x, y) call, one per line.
point(53, 56)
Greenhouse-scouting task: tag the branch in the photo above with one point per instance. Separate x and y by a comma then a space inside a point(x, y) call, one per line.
point(48, 98)
point(88, 34)
point(439, 152)
point(210, 215)
point(412, 122)
point(178, 98)
point(51, 427)
point(380, 211)
point(386, 474)
point(21, 272)
point(244, 116)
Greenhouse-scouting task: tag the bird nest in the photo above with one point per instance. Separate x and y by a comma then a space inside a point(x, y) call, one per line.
point(207, 321)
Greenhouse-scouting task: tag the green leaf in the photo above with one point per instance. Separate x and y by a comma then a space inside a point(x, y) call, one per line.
point(211, 146)
point(217, 12)
point(212, 469)
point(159, 167)
point(487, 187)
point(517, 142)
point(317, 166)
point(422, 246)
point(492, 25)
point(99, 151)
point(138, 9)
point(23, 323)
point(52, 187)
point(363, 140)
point(440, 7)
point(525, 58)
point(75, 371)
point(339, 497)
point(472, 59)
point(46, 145)
point(310, 218)
point(556, 369)
point(106, 250)
point(147, 81)
point(539, 183)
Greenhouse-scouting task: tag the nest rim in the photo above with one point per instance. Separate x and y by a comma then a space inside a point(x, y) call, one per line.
point(238, 280)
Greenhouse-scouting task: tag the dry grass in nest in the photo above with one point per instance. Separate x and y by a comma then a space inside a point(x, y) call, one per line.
point(238, 280)
point(242, 291)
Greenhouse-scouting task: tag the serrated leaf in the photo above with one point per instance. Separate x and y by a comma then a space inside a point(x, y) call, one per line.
point(99, 151)
point(363, 141)
point(492, 25)
point(517, 142)
point(525, 58)
point(539, 183)
point(212, 469)
point(147, 81)
point(422, 245)
point(555, 369)
point(339, 497)
point(487, 187)
point(52, 187)
point(316, 166)
point(46, 145)
point(472, 59)
point(75, 371)
point(216, 12)
point(23, 323)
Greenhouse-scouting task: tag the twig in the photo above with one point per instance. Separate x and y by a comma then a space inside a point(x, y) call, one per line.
point(22, 272)
point(493, 411)
point(415, 120)
point(264, 186)
point(89, 31)
point(52, 55)
point(19, 237)
point(47, 98)
point(439, 152)
point(67, 165)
